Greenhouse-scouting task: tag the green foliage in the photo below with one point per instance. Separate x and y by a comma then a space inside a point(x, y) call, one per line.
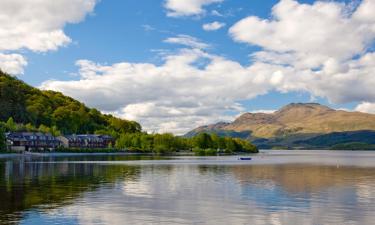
point(50, 111)
point(2, 139)
point(204, 144)
point(203, 141)
point(11, 125)
point(354, 146)
point(204, 152)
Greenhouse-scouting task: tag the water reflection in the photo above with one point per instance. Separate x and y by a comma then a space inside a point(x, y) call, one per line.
point(26, 185)
point(88, 191)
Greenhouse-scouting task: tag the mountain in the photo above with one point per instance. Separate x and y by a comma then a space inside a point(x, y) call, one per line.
point(35, 108)
point(292, 124)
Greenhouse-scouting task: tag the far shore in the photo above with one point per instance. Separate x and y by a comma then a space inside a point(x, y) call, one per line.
point(16, 154)
point(181, 153)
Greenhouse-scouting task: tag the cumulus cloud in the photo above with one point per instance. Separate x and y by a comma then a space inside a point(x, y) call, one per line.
point(37, 26)
point(187, 40)
point(177, 8)
point(12, 63)
point(366, 107)
point(266, 111)
point(321, 34)
point(213, 26)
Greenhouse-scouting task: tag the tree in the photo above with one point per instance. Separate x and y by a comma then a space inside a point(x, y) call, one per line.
point(54, 131)
point(164, 143)
point(2, 139)
point(146, 142)
point(230, 145)
point(11, 125)
point(203, 141)
point(29, 127)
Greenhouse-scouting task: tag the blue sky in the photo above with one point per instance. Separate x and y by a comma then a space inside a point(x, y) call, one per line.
point(100, 38)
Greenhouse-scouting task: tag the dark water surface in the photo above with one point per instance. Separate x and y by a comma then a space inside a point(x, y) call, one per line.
point(276, 187)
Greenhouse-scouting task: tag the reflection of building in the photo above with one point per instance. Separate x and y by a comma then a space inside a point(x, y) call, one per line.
point(27, 141)
point(31, 141)
point(86, 141)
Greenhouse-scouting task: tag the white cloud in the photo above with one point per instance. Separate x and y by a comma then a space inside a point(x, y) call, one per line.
point(177, 8)
point(12, 63)
point(310, 35)
point(147, 27)
point(187, 41)
point(266, 111)
point(213, 26)
point(216, 13)
point(38, 25)
point(366, 107)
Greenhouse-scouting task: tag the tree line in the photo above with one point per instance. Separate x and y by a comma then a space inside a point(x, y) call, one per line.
point(201, 144)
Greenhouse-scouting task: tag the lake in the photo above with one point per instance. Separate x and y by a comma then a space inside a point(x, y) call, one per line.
point(275, 187)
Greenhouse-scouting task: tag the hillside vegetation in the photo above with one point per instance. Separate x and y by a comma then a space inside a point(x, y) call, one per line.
point(22, 104)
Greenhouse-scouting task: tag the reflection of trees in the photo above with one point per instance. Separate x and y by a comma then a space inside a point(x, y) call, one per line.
point(212, 169)
point(303, 178)
point(25, 185)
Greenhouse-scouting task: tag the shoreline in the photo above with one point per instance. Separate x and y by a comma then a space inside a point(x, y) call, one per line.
point(46, 154)
point(16, 154)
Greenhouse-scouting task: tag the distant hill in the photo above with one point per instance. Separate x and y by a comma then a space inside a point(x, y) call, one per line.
point(292, 124)
point(29, 105)
point(335, 138)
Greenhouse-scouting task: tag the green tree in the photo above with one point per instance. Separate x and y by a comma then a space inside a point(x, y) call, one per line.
point(29, 127)
point(230, 145)
point(55, 131)
point(146, 142)
point(203, 141)
point(11, 125)
point(2, 139)
point(164, 143)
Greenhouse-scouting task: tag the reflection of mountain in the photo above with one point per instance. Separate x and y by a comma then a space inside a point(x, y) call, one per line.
point(292, 187)
point(25, 185)
point(303, 178)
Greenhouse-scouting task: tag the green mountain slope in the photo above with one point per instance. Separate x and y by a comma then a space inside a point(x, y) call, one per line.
point(29, 105)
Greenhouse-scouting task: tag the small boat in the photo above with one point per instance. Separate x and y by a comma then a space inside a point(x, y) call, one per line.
point(244, 158)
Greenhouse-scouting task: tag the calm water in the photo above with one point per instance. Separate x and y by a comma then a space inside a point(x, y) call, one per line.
point(276, 187)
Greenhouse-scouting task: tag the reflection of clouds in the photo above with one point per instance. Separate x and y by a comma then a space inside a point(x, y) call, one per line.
point(275, 219)
point(365, 193)
point(192, 194)
point(137, 189)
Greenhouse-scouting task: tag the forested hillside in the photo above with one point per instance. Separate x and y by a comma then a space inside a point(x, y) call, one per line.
point(23, 105)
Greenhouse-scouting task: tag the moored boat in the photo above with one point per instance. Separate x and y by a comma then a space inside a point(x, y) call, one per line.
point(244, 158)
